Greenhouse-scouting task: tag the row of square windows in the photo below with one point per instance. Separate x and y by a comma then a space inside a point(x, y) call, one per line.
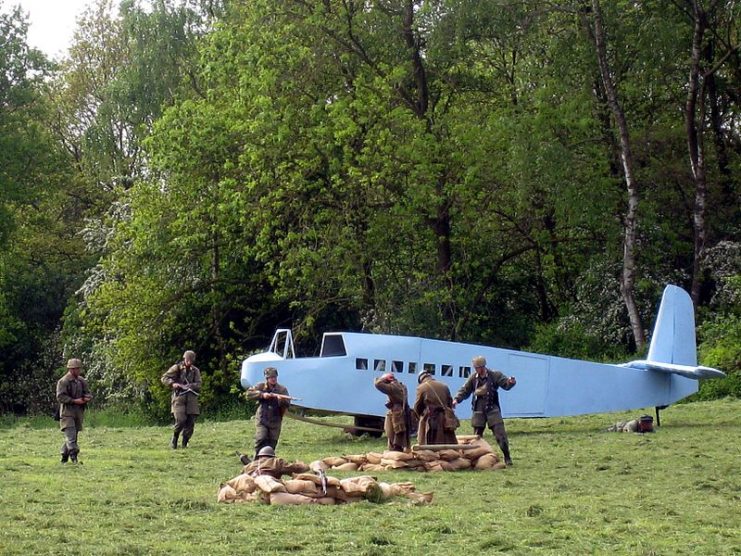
point(361, 364)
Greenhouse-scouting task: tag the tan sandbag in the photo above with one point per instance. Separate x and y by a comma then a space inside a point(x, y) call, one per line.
point(399, 456)
point(373, 457)
point(249, 496)
point(326, 500)
point(357, 485)
point(500, 465)
point(388, 490)
point(487, 461)
point(447, 466)
point(425, 455)
point(343, 497)
point(420, 498)
point(285, 498)
point(393, 463)
point(372, 467)
point(316, 479)
point(448, 455)
point(360, 459)
point(243, 483)
point(402, 489)
point(482, 447)
point(349, 466)
point(416, 464)
point(434, 466)
point(460, 464)
point(317, 466)
point(268, 484)
point(226, 494)
point(334, 461)
point(297, 486)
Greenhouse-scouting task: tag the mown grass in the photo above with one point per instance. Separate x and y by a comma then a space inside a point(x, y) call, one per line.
point(574, 489)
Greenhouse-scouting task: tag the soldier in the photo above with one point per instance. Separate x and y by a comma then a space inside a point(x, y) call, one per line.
point(397, 423)
point(185, 380)
point(73, 395)
point(432, 406)
point(273, 401)
point(484, 385)
point(266, 463)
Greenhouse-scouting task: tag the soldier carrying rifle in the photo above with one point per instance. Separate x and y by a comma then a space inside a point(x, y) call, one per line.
point(273, 401)
point(185, 380)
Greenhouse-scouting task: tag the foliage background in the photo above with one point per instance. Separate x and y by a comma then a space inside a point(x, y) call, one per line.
point(194, 174)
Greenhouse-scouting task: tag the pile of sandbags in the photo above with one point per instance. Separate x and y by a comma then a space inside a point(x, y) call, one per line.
point(308, 488)
point(474, 453)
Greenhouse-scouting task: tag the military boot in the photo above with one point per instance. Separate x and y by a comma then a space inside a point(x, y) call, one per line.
point(174, 442)
point(185, 442)
point(65, 458)
point(73, 459)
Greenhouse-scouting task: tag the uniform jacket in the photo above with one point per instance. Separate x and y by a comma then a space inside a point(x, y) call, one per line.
point(433, 398)
point(397, 422)
point(269, 412)
point(191, 378)
point(69, 389)
point(485, 390)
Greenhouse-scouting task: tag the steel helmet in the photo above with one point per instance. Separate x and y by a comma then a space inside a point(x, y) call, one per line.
point(270, 371)
point(74, 364)
point(266, 452)
point(423, 375)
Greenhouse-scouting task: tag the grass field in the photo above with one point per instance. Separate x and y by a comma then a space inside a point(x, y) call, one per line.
point(574, 489)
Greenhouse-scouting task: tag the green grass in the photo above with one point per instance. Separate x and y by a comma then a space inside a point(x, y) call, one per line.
point(574, 489)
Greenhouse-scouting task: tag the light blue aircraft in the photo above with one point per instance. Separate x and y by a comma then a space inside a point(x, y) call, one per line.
point(340, 379)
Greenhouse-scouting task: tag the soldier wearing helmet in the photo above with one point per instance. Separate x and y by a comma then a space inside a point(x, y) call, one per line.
point(272, 403)
point(73, 395)
point(433, 407)
point(398, 419)
point(184, 378)
point(267, 463)
point(484, 385)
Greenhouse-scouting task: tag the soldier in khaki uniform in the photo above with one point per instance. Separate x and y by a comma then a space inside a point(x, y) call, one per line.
point(185, 380)
point(73, 395)
point(266, 463)
point(484, 385)
point(272, 403)
point(397, 423)
point(433, 399)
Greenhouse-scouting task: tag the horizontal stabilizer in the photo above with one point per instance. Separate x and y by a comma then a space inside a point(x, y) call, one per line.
point(689, 371)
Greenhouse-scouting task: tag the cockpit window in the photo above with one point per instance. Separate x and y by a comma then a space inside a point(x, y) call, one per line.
point(464, 372)
point(397, 366)
point(447, 370)
point(412, 367)
point(361, 364)
point(429, 368)
point(333, 345)
point(379, 365)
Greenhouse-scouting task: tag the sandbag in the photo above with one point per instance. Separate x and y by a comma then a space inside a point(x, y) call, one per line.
point(226, 494)
point(373, 457)
point(434, 466)
point(372, 467)
point(316, 479)
point(393, 463)
point(398, 456)
point(360, 459)
point(357, 485)
point(460, 464)
point(425, 455)
point(487, 461)
point(420, 498)
point(243, 483)
point(448, 455)
point(285, 498)
point(297, 486)
point(334, 461)
point(349, 466)
point(268, 484)
point(482, 447)
point(317, 466)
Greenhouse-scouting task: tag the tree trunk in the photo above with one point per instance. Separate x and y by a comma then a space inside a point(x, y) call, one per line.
point(627, 279)
point(694, 116)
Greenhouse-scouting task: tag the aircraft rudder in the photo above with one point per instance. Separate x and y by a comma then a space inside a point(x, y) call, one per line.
point(673, 338)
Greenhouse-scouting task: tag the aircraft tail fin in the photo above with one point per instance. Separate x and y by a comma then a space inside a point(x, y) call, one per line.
point(673, 347)
point(673, 339)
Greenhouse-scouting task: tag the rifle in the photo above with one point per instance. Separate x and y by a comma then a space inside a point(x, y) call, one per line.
point(184, 390)
point(323, 477)
point(279, 396)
